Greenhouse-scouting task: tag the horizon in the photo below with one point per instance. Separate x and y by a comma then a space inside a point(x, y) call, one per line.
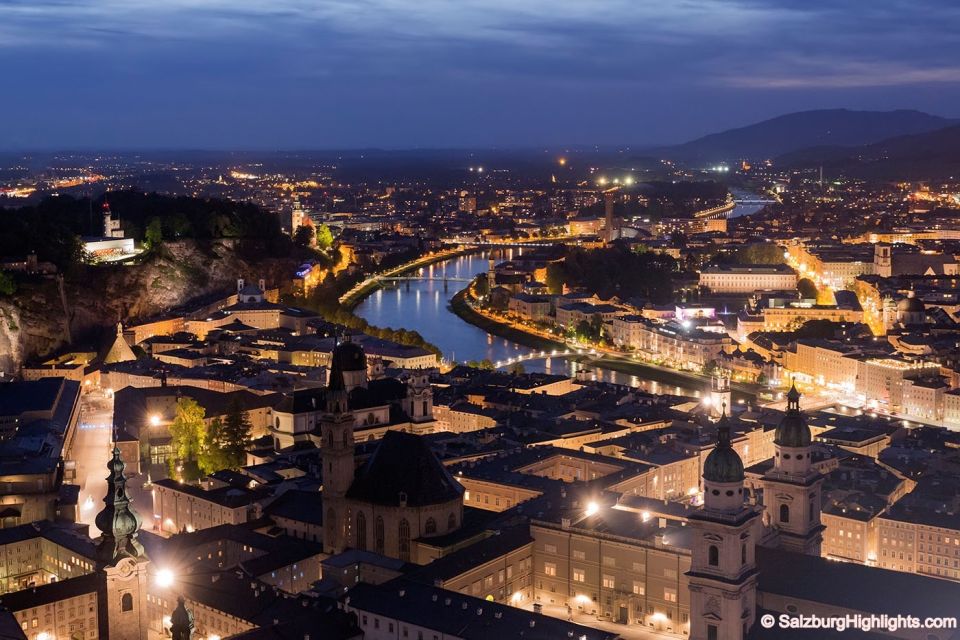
point(532, 149)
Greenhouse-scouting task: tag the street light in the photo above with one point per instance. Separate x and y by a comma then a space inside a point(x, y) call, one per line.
point(155, 420)
point(164, 578)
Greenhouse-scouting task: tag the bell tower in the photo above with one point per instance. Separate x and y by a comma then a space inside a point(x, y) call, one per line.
point(123, 590)
point(337, 452)
point(791, 489)
point(419, 400)
point(723, 571)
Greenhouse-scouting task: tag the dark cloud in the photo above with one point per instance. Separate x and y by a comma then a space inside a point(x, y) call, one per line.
point(334, 73)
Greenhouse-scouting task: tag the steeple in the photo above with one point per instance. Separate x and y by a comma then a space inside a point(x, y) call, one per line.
point(119, 524)
point(181, 621)
point(791, 489)
point(723, 574)
point(337, 446)
point(723, 473)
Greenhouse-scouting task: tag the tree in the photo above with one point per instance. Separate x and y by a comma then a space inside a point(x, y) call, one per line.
point(555, 277)
point(481, 285)
point(484, 364)
point(760, 253)
point(235, 436)
point(212, 457)
point(188, 433)
point(517, 368)
point(8, 286)
point(303, 236)
point(807, 289)
point(324, 237)
point(153, 236)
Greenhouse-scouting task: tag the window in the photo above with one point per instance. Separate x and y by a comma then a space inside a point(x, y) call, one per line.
point(669, 594)
point(361, 531)
point(550, 548)
point(404, 541)
point(550, 568)
point(609, 561)
point(430, 526)
point(579, 555)
point(713, 556)
point(784, 513)
point(609, 582)
point(378, 535)
point(451, 522)
point(579, 575)
point(639, 588)
point(712, 633)
point(743, 554)
point(126, 602)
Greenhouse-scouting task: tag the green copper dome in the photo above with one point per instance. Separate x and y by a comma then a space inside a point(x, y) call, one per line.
point(723, 464)
point(793, 430)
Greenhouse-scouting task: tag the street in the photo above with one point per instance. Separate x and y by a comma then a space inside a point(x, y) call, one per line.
point(91, 450)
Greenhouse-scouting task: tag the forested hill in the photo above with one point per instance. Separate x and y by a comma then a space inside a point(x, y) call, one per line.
point(53, 227)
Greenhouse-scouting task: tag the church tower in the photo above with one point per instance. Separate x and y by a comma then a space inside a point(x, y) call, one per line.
point(791, 490)
point(419, 400)
point(336, 429)
point(723, 571)
point(720, 394)
point(123, 591)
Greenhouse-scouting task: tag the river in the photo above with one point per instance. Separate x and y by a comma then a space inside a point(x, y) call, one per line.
point(424, 306)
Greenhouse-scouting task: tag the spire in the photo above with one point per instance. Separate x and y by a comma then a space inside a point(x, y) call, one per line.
point(793, 397)
point(723, 428)
point(336, 387)
point(119, 524)
point(723, 464)
point(181, 621)
point(793, 430)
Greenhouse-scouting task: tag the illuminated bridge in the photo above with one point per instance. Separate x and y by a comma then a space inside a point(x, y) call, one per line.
point(541, 355)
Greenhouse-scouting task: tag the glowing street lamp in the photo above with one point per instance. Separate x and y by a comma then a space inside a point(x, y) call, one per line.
point(155, 420)
point(164, 578)
point(592, 509)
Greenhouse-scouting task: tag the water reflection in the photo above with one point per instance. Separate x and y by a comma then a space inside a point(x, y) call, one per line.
point(423, 306)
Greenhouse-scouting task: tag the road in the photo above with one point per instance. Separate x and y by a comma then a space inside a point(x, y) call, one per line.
point(91, 450)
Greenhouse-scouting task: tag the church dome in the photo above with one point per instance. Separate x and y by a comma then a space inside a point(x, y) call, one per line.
point(723, 464)
point(911, 304)
point(349, 356)
point(793, 430)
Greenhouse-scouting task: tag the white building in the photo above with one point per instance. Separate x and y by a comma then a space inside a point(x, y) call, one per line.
point(747, 278)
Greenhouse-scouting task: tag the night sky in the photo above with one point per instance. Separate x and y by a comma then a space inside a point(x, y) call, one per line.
point(270, 74)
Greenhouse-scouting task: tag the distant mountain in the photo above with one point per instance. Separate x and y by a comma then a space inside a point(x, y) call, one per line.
point(804, 129)
point(930, 155)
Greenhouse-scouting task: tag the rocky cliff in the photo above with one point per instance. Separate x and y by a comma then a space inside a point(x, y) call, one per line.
point(34, 321)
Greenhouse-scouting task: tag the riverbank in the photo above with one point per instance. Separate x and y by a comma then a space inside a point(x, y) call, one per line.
point(621, 364)
point(361, 290)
